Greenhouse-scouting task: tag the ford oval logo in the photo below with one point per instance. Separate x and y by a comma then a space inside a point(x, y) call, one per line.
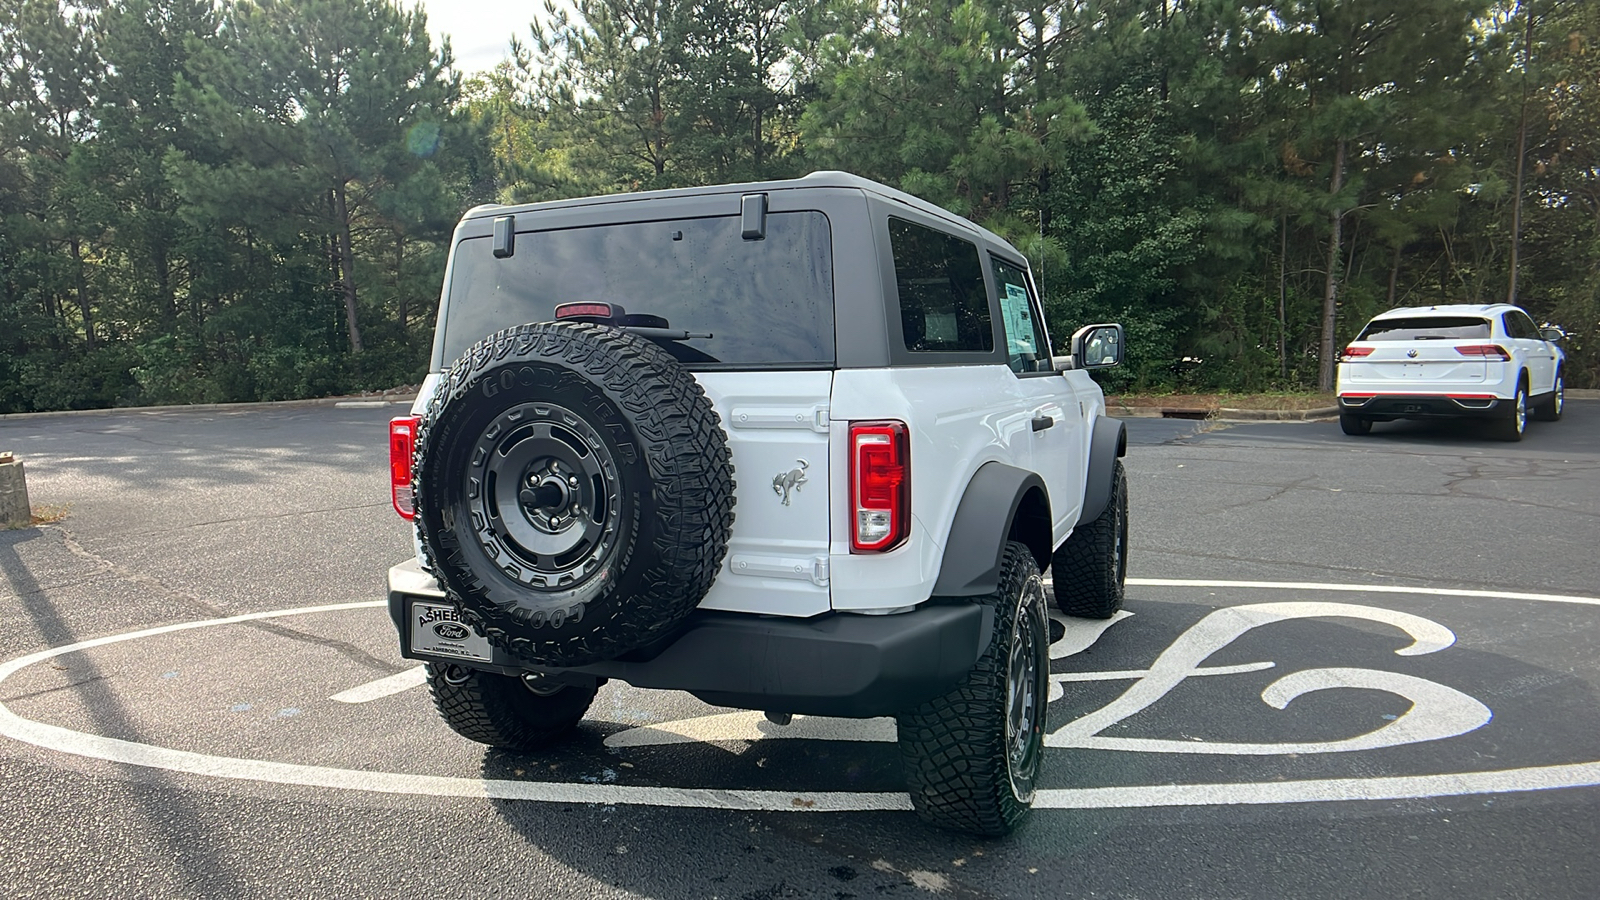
point(451, 631)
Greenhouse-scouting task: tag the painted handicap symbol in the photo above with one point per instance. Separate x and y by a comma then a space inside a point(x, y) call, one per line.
point(1436, 712)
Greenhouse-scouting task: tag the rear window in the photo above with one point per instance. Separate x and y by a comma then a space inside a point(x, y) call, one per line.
point(944, 306)
point(766, 303)
point(1427, 328)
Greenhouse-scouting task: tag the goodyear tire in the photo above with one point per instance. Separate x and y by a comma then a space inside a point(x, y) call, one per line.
point(972, 756)
point(506, 711)
point(574, 491)
point(1090, 568)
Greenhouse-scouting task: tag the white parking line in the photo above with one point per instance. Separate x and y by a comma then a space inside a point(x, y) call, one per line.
point(383, 687)
point(1133, 674)
point(65, 740)
point(1363, 589)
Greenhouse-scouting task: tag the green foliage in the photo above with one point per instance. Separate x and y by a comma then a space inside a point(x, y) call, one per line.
point(212, 201)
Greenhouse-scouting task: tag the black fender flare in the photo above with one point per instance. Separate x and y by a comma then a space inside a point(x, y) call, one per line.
point(1108, 443)
point(982, 525)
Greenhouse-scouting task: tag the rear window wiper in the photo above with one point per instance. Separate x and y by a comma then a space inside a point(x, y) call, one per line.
point(642, 324)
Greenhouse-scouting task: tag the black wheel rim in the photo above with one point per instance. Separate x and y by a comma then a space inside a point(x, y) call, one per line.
point(1026, 677)
point(543, 497)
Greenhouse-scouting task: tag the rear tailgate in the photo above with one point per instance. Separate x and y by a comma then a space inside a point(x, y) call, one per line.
point(1425, 353)
point(777, 425)
point(1417, 364)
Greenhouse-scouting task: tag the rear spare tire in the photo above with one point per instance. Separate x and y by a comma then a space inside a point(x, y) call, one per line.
point(574, 491)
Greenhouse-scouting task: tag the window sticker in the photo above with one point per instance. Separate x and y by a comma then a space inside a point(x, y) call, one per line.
point(1018, 321)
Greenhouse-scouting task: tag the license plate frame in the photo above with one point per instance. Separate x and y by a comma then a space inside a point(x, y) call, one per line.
point(437, 629)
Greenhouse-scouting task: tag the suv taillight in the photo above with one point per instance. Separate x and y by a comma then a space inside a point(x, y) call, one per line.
point(1356, 352)
point(880, 486)
point(1485, 351)
point(402, 441)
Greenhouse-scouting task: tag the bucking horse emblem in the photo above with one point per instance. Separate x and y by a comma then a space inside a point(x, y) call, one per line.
point(791, 480)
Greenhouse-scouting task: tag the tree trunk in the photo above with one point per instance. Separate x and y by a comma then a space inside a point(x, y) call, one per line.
point(1330, 291)
point(1394, 275)
point(83, 294)
point(347, 265)
point(1283, 297)
point(399, 278)
point(164, 291)
point(1522, 157)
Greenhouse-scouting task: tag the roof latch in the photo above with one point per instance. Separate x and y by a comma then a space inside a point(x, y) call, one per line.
point(505, 236)
point(753, 217)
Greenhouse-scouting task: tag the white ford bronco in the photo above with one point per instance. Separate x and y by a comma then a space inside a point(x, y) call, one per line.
point(863, 377)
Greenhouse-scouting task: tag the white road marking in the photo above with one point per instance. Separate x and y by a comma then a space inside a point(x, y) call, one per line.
point(1363, 589)
point(1535, 778)
point(1080, 634)
point(383, 687)
point(753, 726)
point(1436, 712)
point(1131, 674)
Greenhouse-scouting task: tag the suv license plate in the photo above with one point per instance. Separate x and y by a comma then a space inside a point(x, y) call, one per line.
point(437, 630)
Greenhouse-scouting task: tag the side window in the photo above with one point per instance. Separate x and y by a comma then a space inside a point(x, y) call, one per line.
point(1530, 330)
point(944, 307)
point(1515, 327)
point(1027, 348)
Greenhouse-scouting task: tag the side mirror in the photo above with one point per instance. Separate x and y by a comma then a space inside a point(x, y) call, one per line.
point(1097, 346)
point(1552, 333)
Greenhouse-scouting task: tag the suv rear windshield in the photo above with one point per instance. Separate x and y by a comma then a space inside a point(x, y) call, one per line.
point(767, 303)
point(1427, 328)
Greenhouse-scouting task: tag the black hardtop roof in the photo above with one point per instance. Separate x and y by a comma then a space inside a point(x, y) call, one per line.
point(825, 179)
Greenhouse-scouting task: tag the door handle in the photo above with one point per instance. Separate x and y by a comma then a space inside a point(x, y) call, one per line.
point(1040, 423)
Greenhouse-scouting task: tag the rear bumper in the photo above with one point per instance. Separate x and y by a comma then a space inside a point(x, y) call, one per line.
point(1423, 406)
point(836, 664)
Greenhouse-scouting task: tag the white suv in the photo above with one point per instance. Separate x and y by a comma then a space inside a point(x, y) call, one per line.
point(1487, 362)
point(911, 456)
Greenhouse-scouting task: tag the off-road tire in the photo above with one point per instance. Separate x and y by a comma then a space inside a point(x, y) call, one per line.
point(1090, 569)
point(957, 749)
point(1353, 424)
point(501, 710)
point(1514, 423)
point(1550, 408)
point(651, 496)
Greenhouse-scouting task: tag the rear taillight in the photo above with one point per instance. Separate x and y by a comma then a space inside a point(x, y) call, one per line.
point(402, 441)
point(880, 486)
point(1356, 352)
point(1485, 351)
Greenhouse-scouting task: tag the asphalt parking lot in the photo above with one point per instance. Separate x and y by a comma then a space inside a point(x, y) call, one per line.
point(1351, 667)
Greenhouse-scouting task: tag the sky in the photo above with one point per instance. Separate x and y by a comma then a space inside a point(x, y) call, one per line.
point(480, 30)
